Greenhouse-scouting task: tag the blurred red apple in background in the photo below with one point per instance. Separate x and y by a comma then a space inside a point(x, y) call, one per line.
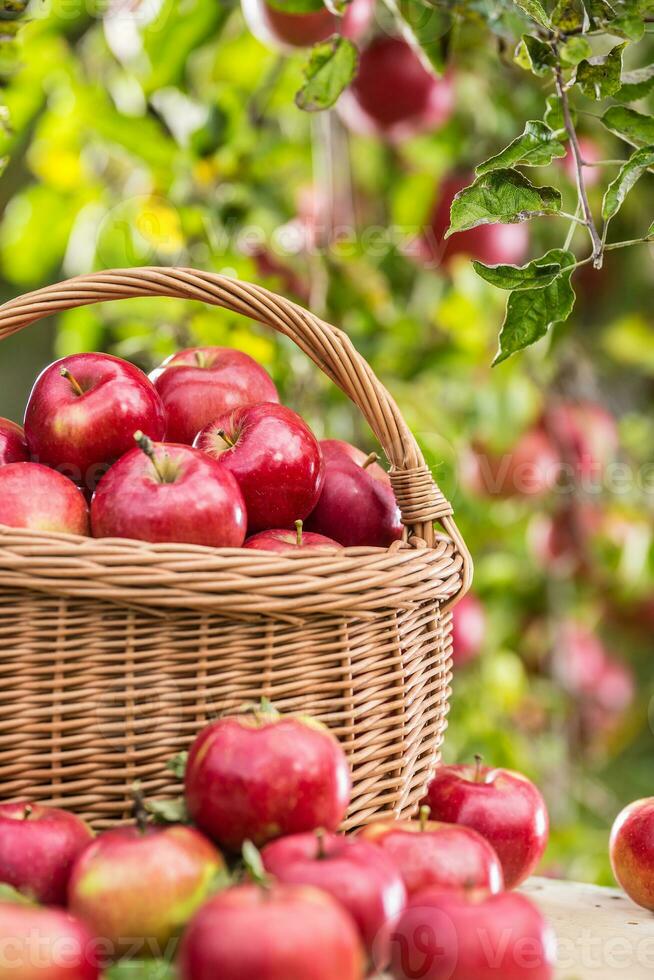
point(45, 944)
point(558, 540)
point(590, 153)
point(136, 887)
point(283, 29)
point(275, 459)
point(587, 437)
point(394, 95)
point(280, 932)
point(468, 629)
point(262, 775)
point(162, 492)
point(632, 851)
point(450, 936)
point(83, 412)
point(298, 540)
point(531, 468)
point(38, 847)
point(13, 445)
point(503, 806)
point(201, 383)
point(442, 855)
point(36, 497)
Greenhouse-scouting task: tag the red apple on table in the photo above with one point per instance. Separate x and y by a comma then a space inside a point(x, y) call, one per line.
point(35, 497)
point(357, 506)
point(38, 847)
point(13, 445)
point(136, 887)
point(531, 468)
point(282, 932)
point(299, 540)
point(490, 244)
point(275, 459)
point(364, 880)
point(468, 629)
point(394, 95)
point(83, 412)
point(503, 806)
point(441, 855)
point(283, 29)
point(199, 384)
point(632, 851)
point(262, 775)
point(162, 492)
point(452, 936)
point(45, 944)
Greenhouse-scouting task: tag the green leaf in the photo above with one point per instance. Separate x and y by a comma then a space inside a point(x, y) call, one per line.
point(331, 67)
point(168, 811)
point(568, 15)
point(628, 25)
point(599, 78)
point(536, 147)
point(530, 313)
point(599, 12)
point(177, 764)
point(535, 274)
point(636, 84)
point(253, 864)
point(629, 125)
point(534, 55)
point(574, 50)
point(554, 115)
point(637, 164)
point(13, 896)
point(650, 230)
point(297, 6)
point(174, 34)
point(426, 27)
point(535, 10)
point(504, 196)
point(141, 970)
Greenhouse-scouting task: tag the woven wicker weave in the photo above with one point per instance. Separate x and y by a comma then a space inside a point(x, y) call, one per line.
point(114, 653)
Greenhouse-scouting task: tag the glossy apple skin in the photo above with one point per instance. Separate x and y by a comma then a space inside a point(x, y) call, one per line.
point(437, 855)
point(275, 459)
point(356, 508)
point(285, 932)
point(632, 851)
point(202, 506)
point(503, 806)
point(363, 879)
point(81, 435)
point(337, 448)
point(281, 541)
point(468, 629)
point(490, 244)
point(200, 384)
point(531, 468)
point(257, 777)
point(13, 445)
point(451, 936)
point(45, 944)
point(139, 885)
point(35, 497)
point(282, 30)
point(38, 847)
point(393, 94)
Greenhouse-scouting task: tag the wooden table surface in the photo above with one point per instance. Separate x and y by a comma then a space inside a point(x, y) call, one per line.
point(601, 934)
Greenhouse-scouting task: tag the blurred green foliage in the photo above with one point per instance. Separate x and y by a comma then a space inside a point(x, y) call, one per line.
point(145, 134)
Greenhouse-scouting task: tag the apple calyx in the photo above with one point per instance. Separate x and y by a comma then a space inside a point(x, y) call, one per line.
point(72, 380)
point(167, 471)
point(27, 811)
point(298, 532)
point(369, 460)
point(423, 817)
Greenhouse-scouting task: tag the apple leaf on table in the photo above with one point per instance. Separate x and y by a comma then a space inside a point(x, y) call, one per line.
point(504, 196)
point(331, 67)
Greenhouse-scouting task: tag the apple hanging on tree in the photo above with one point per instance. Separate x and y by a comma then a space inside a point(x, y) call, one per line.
point(302, 23)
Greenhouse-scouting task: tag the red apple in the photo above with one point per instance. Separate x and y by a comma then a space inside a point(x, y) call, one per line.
point(284, 29)
point(503, 806)
point(591, 153)
point(38, 847)
point(450, 936)
point(298, 540)
point(615, 687)
point(357, 506)
point(491, 244)
point(587, 437)
point(441, 855)
point(199, 384)
point(13, 445)
point(356, 873)
point(579, 659)
point(45, 944)
point(275, 458)
point(262, 775)
point(161, 492)
point(35, 497)
point(283, 932)
point(632, 851)
point(531, 468)
point(558, 540)
point(83, 413)
point(468, 629)
point(136, 887)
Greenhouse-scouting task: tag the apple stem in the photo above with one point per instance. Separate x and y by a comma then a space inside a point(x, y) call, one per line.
point(369, 460)
point(423, 816)
point(138, 808)
point(72, 380)
point(225, 438)
point(27, 812)
point(200, 358)
point(479, 764)
point(146, 446)
point(298, 533)
point(320, 840)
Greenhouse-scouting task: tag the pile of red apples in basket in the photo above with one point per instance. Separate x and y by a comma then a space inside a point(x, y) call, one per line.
point(201, 453)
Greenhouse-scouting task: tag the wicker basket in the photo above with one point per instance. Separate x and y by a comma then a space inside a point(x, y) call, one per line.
point(114, 653)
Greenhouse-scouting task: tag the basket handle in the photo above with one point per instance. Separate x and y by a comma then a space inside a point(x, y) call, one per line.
point(420, 500)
